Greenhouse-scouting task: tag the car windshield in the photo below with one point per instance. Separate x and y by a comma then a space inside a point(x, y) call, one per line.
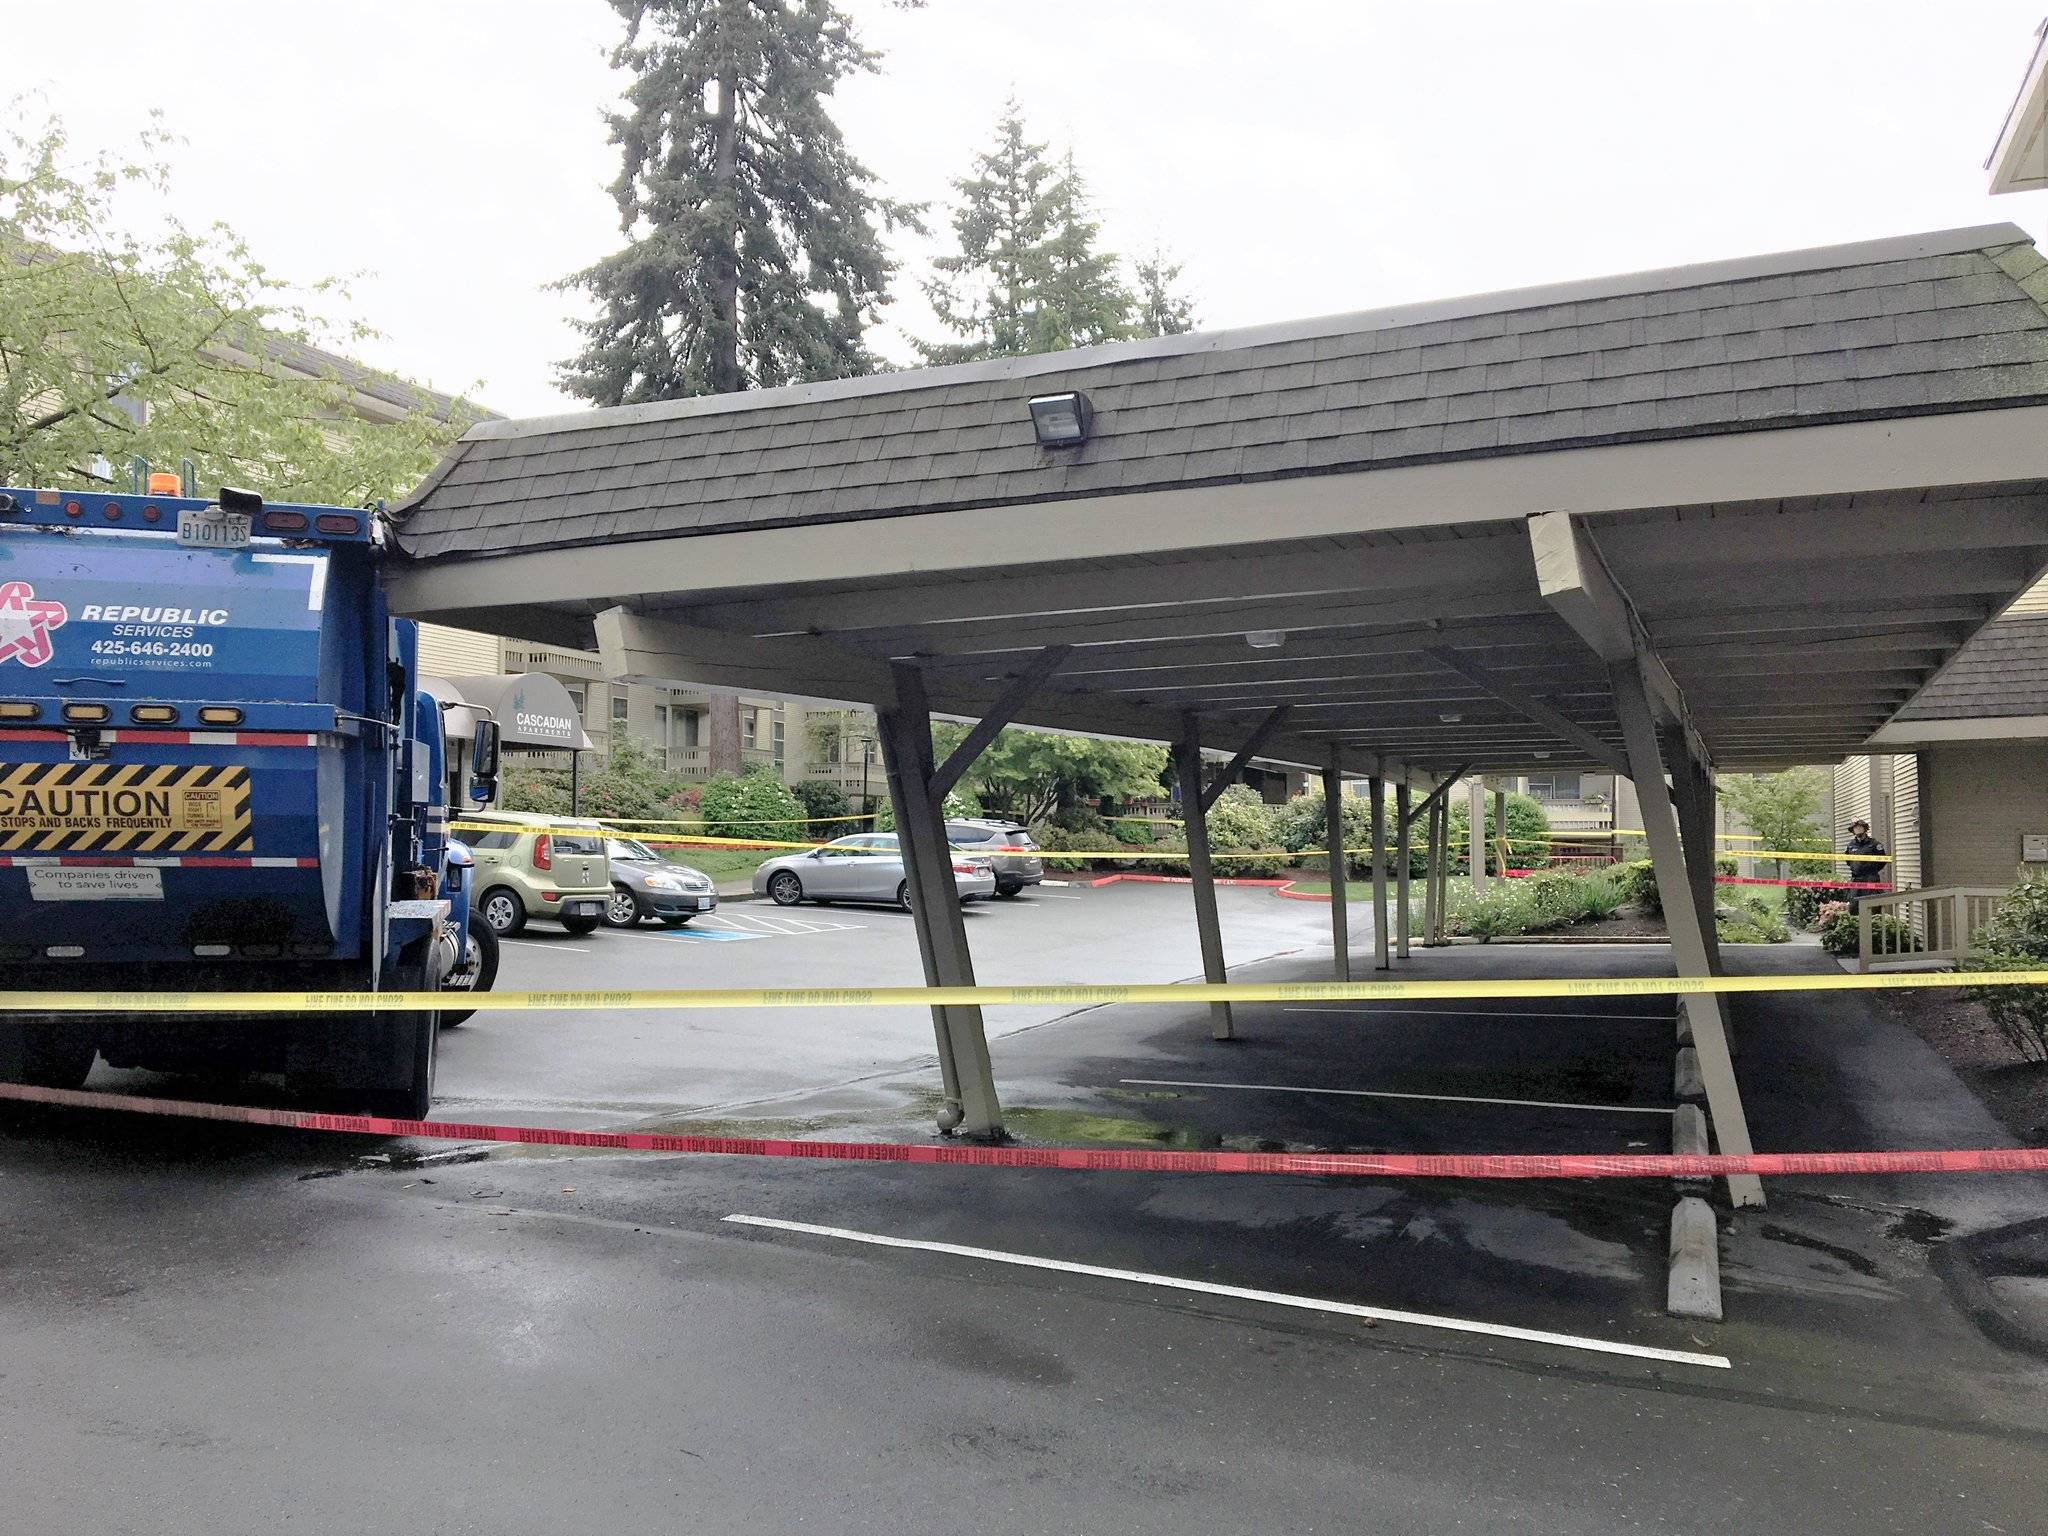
point(626, 848)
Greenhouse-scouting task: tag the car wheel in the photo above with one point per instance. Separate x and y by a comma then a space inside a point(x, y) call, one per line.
point(903, 894)
point(504, 911)
point(580, 924)
point(784, 889)
point(623, 910)
point(477, 972)
point(1006, 889)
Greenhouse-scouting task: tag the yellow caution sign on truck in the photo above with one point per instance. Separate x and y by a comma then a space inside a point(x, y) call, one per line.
point(105, 808)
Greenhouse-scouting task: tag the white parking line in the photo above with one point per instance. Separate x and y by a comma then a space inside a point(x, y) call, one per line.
point(560, 946)
point(1494, 1013)
point(1245, 1293)
point(1383, 1093)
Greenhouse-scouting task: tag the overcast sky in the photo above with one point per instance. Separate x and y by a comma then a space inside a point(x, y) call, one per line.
point(1300, 158)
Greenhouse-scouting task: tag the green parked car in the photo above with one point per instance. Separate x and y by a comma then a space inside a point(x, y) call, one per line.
point(538, 866)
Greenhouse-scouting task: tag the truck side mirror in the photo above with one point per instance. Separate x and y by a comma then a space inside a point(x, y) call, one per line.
point(483, 762)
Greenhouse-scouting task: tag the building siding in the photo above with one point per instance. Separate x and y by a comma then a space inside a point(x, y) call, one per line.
point(1907, 865)
point(1981, 796)
point(446, 652)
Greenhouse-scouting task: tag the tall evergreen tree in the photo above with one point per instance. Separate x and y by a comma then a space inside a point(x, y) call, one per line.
point(1078, 290)
point(754, 256)
point(984, 293)
point(1162, 309)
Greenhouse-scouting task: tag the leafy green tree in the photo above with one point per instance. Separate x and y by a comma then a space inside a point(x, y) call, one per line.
point(752, 805)
point(959, 803)
point(985, 292)
point(1079, 292)
point(1782, 809)
point(1162, 309)
point(167, 345)
point(1032, 774)
point(754, 252)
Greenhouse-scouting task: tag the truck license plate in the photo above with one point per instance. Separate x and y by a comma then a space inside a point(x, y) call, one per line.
point(213, 530)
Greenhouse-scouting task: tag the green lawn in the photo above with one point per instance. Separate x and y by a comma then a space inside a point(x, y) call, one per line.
point(723, 864)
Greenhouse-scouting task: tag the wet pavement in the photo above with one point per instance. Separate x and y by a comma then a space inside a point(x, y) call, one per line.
point(231, 1328)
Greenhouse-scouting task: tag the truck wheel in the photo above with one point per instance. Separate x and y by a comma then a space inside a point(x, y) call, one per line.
point(503, 910)
point(476, 972)
point(56, 1056)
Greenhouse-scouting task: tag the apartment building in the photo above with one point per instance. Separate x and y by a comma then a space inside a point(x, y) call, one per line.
point(692, 733)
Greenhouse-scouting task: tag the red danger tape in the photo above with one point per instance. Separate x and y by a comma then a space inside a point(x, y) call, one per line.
point(1493, 1165)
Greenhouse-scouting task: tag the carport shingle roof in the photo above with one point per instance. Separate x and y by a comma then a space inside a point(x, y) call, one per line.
point(1955, 320)
point(2000, 674)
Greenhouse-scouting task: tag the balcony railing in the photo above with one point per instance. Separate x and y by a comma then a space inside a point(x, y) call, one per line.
point(1932, 927)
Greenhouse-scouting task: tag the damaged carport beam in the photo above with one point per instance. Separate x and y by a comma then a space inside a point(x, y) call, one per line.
point(1577, 582)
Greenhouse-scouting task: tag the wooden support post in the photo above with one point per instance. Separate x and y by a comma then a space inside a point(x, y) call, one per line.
point(1379, 874)
point(1333, 842)
point(1475, 814)
point(1187, 756)
point(1500, 831)
point(1688, 925)
point(1403, 917)
point(1432, 874)
point(967, 1078)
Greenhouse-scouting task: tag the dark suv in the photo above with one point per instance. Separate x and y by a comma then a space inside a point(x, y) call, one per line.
point(1014, 870)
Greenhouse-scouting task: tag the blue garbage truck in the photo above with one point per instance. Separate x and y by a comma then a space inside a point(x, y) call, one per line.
point(219, 771)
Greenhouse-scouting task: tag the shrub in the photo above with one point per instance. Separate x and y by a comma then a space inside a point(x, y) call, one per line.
point(1637, 883)
point(826, 808)
point(1501, 913)
point(1751, 923)
point(1080, 818)
point(1240, 820)
point(752, 805)
point(1726, 866)
point(1802, 906)
point(1133, 829)
point(2016, 939)
point(540, 791)
point(1049, 838)
point(1839, 933)
point(1602, 896)
point(629, 785)
point(1298, 827)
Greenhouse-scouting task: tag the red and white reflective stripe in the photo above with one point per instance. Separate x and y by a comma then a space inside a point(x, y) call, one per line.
point(142, 738)
point(142, 860)
point(1087, 1159)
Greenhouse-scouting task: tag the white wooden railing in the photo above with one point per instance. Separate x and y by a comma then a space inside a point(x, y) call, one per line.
point(1936, 926)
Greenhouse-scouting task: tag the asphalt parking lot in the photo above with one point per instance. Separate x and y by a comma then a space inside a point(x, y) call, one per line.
point(229, 1326)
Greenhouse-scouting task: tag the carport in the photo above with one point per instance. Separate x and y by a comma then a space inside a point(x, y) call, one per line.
point(1663, 524)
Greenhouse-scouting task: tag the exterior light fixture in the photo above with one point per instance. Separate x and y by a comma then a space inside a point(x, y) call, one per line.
point(1062, 421)
point(1265, 639)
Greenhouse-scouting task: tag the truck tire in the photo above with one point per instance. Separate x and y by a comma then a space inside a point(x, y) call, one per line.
point(477, 972)
point(56, 1056)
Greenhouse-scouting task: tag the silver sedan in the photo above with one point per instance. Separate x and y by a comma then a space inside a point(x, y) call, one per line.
point(864, 867)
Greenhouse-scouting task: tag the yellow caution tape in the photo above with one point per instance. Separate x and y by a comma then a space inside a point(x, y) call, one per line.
point(683, 840)
point(1188, 993)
